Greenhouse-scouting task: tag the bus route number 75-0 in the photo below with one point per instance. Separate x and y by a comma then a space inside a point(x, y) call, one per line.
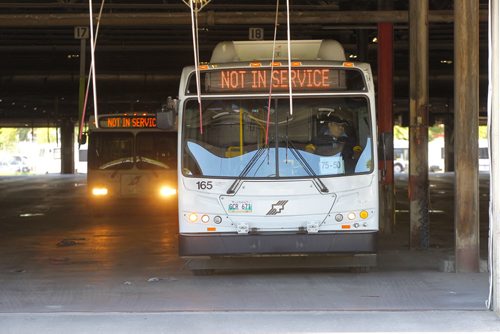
point(202, 185)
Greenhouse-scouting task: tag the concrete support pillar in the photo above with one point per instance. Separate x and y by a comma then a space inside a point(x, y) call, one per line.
point(67, 147)
point(82, 86)
point(494, 136)
point(449, 151)
point(418, 182)
point(466, 135)
point(385, 124)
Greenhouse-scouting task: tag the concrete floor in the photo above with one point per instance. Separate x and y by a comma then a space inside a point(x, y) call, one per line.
point(62, 269)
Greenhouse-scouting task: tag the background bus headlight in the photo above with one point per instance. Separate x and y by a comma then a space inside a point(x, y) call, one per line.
point(99, 191)
point(167, 191)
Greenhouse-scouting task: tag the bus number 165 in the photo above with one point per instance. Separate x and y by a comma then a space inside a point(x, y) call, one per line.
point(204, 185)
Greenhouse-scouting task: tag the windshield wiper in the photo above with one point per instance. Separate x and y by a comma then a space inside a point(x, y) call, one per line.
point(152, 162)
point(244, 172)
point(116, 162)
point(300, 158)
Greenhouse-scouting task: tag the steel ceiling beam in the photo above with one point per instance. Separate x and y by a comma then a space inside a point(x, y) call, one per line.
point(210, 18)
point(433, 46)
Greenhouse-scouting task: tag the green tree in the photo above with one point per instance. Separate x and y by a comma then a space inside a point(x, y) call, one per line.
point(8, 139)
point(23, 134)
point(483, 132)
point(436, 131)
point(45, 135)
point(400, 132)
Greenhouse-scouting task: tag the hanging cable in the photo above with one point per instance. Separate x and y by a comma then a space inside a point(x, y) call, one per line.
point(82, 121)
point(194, 28)
point(198, 83)
point(92, 64)
point(271, 74)
point(289, 55)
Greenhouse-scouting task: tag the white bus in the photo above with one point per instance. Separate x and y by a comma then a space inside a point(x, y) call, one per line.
point(259, 177)
point(131, 158)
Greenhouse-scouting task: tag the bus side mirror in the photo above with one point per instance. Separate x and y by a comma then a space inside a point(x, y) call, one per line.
point(83, 139)
point(165, 119)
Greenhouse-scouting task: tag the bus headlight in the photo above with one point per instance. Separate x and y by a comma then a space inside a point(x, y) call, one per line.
point(193, 217)
point(167, 191)
point(99, 191)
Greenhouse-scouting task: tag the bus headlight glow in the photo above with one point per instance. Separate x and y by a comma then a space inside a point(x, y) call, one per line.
point(363, 214)
point(99, 191)
point(351, 215)
point(205, 219)
point(193, 217)
point(167, 191)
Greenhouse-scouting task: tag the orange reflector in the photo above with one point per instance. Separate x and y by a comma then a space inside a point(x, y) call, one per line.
point(276, 63)
point(211, 229)
point(346, 227)
point(203, 67)
point(255, 64)
point(347, 64)
point(296, 63)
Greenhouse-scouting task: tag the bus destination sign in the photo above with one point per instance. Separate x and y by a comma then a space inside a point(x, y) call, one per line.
point(122, 122)
point(259, 80)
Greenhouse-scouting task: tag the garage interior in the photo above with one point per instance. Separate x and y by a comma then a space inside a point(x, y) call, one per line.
point(127, 261)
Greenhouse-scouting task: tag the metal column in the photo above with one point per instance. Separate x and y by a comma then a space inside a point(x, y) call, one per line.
point(81, 33)
point(466, 135)
point(67, 147)
point(418, 182)
point(385, 123)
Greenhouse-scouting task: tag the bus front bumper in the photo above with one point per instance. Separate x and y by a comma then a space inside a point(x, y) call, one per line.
point(223, 244)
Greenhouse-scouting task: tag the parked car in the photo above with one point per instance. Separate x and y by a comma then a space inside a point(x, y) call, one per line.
point(20, 164)
point(400, 165)
point(401, 156)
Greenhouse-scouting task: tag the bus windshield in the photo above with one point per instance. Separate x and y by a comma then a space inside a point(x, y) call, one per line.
point(123, 150)
point(325, 136)
point(156, 150)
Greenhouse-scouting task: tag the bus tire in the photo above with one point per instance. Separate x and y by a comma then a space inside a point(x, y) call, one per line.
point(398, 168)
